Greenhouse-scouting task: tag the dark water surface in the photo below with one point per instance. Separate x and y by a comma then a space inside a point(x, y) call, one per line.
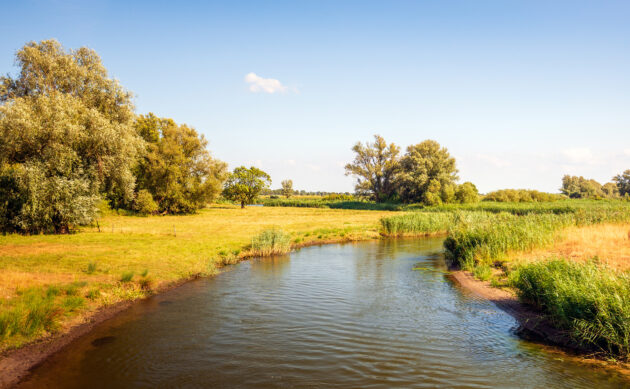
point(352, 316)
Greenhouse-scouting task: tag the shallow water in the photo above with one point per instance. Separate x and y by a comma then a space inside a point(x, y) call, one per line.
point(352, 315)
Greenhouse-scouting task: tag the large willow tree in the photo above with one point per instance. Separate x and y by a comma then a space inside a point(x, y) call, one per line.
point(66, 136)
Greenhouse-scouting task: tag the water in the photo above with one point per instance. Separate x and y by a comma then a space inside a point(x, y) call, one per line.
point(354, 315)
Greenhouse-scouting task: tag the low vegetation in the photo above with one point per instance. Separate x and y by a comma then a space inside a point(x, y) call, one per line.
point(589, 301)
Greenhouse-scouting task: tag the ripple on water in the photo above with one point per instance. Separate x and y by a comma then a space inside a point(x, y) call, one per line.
point(352, 315)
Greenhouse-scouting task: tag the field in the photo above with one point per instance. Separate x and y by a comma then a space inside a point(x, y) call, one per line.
point(50, 281)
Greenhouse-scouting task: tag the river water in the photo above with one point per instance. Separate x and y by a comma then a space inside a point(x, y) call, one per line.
point(353, 315)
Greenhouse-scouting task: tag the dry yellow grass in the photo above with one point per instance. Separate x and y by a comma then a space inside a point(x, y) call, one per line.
point(610, 243)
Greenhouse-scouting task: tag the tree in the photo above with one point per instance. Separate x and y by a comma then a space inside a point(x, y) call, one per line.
point(375, 166)
point(467, 193)
point(244, 185)
point(287, 188)
point(623, 182)
point(427, 174)
point(581, 188)
point(177, 168)
point(611, 190)
point(66, 136)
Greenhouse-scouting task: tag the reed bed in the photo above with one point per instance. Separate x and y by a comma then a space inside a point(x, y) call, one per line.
point(271, 241)
point(588, 300)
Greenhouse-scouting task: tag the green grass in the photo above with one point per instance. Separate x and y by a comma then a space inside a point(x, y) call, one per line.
point(590, 302)
point(272, 241)
point(332, 204)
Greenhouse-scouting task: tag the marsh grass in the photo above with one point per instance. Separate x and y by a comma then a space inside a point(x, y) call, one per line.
point(126, 276)
point(271, 241)
point(588, 300)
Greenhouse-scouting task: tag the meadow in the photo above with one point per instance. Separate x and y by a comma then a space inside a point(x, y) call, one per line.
point(49, 282)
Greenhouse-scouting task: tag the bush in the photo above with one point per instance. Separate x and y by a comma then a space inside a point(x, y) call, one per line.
point(589, 301)
point(271, 242)
point(144, 203)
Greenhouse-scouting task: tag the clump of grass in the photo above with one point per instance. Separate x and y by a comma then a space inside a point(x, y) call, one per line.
point(93, 294)
point(72, 303)
point(126, 276)
point(271, 242)
point(591, 302)
point(144, 273)
point(32, 312)
point(145, 283)
point(482, 272)
point(91, 267)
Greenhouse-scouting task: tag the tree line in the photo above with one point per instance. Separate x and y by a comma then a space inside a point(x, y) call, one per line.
point(69, 137)
point(425, 174)
point(582, 188)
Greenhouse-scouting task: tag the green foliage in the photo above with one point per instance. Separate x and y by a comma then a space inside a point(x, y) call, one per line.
point(126, 276)
point(417, 223)
point(66, 136)
point(466, 193)
point(271, 242)
point(427, 174)
point(591, 302)
point(244, 185)
point(339, 197)
point(521, 195)
point(375, 166)
point(337, 203)
point(32, 312)
point(623, 183)
point(582, 188)
point(144, 203)
point(287, 188)
point(177, 169)
point(482, 272)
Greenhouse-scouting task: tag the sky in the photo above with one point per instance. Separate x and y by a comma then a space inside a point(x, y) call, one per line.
point(520, 92)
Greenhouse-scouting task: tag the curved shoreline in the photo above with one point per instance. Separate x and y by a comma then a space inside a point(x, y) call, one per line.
point(15, 365)
point(533, 325)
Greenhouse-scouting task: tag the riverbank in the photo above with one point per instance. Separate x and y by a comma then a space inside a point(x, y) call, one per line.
point(533, 325)
point(70, 280)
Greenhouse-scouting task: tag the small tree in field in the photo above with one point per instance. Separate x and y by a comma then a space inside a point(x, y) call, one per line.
point(244, 184)
point(287, 188)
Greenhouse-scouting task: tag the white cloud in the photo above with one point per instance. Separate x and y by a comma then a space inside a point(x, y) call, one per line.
point(579, 155)
point(267, 85)
point(627, 152)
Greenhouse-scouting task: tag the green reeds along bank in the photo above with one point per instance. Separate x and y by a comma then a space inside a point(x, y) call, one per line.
point(271, 242)
point(590, 301)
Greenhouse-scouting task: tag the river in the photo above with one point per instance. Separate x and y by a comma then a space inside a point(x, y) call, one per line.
point(348, 315)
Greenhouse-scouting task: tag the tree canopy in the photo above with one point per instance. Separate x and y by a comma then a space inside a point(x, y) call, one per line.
point(427, 174)
point(375, 166)
point(623, 182)
point(287, 188)
point(245, 184)
point(177, 169)
point(66, 135)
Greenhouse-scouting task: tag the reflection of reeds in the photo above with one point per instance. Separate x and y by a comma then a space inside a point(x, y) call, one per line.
point(271, 242)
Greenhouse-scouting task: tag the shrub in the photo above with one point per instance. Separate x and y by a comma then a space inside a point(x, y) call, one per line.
point(271, 242)
point(126, 276)
point(591, 302)
point(144, 203)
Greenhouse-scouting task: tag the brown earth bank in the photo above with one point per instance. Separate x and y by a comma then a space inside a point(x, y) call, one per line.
point(533, 325)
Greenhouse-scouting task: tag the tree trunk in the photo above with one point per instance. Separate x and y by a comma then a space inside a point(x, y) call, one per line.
point(242, 204)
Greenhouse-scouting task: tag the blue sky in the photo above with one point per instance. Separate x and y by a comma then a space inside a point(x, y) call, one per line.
point(520, 92)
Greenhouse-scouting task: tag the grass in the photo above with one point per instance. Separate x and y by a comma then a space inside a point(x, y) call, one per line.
point(272, 241)
point(95, 266)
point(590, 301)
point(322, 202)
